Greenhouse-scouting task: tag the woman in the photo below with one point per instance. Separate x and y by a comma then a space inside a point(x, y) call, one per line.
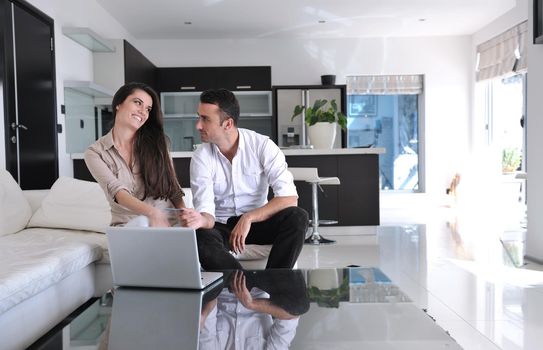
point(131, 162)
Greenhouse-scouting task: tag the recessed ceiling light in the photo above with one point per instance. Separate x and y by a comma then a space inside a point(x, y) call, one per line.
point(322, 21)
point(422, 19)
point(188, 22)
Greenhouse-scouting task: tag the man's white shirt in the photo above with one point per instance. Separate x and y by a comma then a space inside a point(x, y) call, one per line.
point(232, 326)
point(225, 189)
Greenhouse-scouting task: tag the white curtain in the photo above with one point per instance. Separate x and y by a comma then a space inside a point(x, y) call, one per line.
point(384, 84)
point(503, 54)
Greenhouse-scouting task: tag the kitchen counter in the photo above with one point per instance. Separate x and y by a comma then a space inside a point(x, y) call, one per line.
point(289, 152)
point(353, 203)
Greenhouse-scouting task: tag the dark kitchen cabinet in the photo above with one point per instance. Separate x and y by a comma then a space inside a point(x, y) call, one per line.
point(137, 67)
point(356, 200)
point(185, 79)
point(257, 78)
point(244, 78)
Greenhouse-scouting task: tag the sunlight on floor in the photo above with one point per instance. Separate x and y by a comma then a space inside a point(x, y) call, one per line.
point(459, 263)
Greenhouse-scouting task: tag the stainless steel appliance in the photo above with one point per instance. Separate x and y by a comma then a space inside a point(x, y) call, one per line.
point(294, 132)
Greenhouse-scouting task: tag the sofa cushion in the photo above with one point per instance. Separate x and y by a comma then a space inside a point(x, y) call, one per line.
point(14, 208)
point(30, 262)
point(73, 204)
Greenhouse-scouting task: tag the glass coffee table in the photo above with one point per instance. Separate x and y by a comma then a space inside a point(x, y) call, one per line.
point(344, 308)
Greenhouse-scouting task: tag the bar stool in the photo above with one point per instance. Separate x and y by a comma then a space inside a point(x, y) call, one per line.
point(311, 175)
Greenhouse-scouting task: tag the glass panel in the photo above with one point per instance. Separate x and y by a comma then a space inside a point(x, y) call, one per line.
point(507, 112)
point(185, 104)
point(254, 103)
point(251, 103)
point(261, 125)
point(391, 122)
point(80, 121)
point(182, 133)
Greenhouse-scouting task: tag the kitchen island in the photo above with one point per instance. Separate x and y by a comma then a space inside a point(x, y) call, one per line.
point(353, 203)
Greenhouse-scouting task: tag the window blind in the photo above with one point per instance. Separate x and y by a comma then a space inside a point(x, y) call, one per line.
point(384, 84)
point(503, 54)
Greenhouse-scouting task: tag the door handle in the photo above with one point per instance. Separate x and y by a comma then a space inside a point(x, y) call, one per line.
point(20, 126)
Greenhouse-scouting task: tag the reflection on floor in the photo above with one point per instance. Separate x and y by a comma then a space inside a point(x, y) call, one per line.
point(452, 266)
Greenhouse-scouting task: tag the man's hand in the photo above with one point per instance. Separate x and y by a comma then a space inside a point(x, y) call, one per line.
point(239, 233)
point(189, 217)
point(240, 290)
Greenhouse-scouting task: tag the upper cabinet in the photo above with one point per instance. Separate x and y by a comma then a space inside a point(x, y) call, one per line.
point(255, 78)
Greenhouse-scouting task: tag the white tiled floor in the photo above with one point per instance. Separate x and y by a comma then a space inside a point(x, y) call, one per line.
point(453, 267)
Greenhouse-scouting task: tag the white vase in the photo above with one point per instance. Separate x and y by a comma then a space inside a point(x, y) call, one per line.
point(322, 134)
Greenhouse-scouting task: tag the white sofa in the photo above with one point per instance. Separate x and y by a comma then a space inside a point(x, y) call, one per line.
point(54, 257)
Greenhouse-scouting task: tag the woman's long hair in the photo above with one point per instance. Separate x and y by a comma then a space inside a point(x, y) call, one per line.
point(151, 147)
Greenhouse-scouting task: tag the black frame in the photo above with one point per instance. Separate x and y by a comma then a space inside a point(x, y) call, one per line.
point(7, 48)
point(538, 21)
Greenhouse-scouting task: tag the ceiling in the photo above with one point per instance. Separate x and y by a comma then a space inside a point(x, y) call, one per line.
point(250, 19)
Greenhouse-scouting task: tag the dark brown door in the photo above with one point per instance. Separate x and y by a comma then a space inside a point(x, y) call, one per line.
point(31, 143)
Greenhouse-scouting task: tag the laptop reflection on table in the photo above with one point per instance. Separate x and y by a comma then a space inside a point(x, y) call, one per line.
point(144, 318)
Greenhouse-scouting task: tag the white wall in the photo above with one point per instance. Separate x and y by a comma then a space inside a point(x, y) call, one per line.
point(534, 236)
point(534, 122)
point(444, 61)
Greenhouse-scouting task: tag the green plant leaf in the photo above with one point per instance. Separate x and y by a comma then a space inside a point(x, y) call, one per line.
point(297, 111)
point(511, 159)
point(318, 104)
point(319, 113)
point(334, 105)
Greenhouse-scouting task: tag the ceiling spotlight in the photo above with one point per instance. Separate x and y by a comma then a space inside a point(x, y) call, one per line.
point(422, 19)
point(188, 22)
point(322, 21)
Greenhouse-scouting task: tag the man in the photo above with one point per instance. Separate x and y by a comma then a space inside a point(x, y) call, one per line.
point(259, 309)
point(230, 176)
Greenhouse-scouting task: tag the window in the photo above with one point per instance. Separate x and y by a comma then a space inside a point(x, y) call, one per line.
point(500, 91)
point(384, 111)
point(504, 119)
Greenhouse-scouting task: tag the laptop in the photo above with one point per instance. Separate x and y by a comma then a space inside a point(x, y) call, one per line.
point(157, 257)
point(143, 318)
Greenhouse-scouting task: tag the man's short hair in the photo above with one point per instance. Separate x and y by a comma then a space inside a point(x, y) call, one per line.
point(226, 101)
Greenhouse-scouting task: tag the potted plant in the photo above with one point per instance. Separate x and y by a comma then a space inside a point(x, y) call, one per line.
point(321, 120)
point(330, 298)
point(511, 159)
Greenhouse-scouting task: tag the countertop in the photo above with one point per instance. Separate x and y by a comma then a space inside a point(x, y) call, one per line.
point(290, 152)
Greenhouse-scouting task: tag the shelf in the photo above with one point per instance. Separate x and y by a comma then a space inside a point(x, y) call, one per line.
point(193, 116)
point(88, 38)
point(88, 88)
point(180, 116)
point(254, 116)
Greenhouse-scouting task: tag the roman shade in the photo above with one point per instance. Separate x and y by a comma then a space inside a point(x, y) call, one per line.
point(384, 84)
point(504, 54)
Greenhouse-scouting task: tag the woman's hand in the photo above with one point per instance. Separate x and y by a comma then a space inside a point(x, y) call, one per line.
point(158, 218)
point(191, 218)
